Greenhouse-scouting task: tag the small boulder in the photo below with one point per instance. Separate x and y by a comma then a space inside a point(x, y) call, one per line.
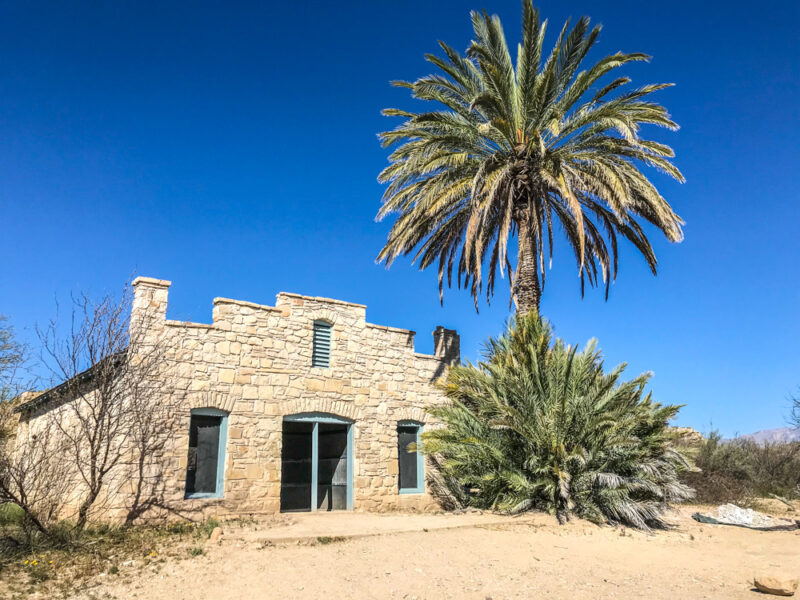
point(777, 585)
point(216, 535)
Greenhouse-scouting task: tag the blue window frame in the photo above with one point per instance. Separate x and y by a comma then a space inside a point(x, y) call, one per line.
point(205, 468)
point(411, 463)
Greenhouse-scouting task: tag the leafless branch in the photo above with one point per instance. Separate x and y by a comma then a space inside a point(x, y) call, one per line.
point(794, 415)
point(111, 403)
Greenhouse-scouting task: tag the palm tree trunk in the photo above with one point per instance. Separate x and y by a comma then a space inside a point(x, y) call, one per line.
point(527, 291)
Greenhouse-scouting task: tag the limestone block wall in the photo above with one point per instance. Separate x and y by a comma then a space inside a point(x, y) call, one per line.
point(254, 362)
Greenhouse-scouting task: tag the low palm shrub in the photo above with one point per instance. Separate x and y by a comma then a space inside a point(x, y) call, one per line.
point(539, 425)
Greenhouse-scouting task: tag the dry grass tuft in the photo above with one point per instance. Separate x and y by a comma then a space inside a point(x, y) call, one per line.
point(67, 561)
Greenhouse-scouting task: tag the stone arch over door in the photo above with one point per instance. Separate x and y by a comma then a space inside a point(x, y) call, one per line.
point(341, 408)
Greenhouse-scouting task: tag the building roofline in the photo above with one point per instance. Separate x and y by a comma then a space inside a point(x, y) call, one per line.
point(248, 304)
point(82, 377)
point(322, 299)
point(390, 328)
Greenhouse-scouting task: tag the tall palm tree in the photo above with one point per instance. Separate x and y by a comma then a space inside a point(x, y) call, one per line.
point(518, 150)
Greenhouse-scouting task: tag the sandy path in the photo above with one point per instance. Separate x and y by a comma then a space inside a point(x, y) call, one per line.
point(537, 559)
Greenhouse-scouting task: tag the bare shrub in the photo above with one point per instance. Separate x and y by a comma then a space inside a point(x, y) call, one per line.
point(794, 406)
point(12, 359)
point(34, 475)
point(112, 403)
point(741, 469)
point(32, 481)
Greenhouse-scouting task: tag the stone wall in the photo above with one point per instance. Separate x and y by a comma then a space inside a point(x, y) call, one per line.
point(254, 362)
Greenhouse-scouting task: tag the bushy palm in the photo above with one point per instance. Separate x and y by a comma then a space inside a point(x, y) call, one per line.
point(539, 425)
point(522, 149)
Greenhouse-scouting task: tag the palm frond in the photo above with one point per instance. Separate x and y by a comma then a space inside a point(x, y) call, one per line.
point(518, 145)
point(538, 424)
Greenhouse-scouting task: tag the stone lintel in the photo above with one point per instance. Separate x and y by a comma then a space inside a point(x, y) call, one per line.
point(428, 356)
point(151, 281)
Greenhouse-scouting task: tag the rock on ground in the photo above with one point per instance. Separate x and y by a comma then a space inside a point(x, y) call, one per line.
point(777, 585)
point(216, 535)
point(730, 513)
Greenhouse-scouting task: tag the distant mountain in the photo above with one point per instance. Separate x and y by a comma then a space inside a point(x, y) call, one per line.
point(781, 434)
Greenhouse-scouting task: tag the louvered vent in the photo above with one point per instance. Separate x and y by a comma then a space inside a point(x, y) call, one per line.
point(321, 355)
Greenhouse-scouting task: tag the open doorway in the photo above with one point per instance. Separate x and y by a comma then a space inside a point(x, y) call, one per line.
point(332, 474)
point(316, 463)
point(296, 466)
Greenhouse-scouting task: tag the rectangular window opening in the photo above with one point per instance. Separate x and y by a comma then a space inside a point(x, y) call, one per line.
point(410, 465)
point(204, 464)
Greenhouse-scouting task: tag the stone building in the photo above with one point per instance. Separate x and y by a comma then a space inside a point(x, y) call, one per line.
point(298, 406)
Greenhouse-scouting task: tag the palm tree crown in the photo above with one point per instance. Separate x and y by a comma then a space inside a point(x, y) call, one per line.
point(519, 150)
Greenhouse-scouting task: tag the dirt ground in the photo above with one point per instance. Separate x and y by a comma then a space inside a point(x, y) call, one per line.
point(501, 558)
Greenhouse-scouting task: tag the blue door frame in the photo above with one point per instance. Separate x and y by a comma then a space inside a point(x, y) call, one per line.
point(316, 418)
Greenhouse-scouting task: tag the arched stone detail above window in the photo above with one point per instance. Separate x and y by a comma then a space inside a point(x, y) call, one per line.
point(322, 405)
point(209, 399)
point(324, 314)
point(408, 413)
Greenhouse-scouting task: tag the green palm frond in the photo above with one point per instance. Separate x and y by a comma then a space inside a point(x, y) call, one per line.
point(520, 148)
point(541, 425)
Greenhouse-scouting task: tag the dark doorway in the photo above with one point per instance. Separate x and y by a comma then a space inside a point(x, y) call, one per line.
point(316, 463)
point(332, 475)
point(296, 466)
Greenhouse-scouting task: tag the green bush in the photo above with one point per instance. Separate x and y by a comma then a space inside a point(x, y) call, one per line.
point(10, 514)
point(38, 571)
point(205, 528)
point(539, 425)
point(740, 470)
point(181, 527)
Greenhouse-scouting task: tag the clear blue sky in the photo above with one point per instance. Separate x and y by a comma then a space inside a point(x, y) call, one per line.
point(232, 150)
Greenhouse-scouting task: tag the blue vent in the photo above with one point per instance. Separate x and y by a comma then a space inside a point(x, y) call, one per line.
point(321, 355)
